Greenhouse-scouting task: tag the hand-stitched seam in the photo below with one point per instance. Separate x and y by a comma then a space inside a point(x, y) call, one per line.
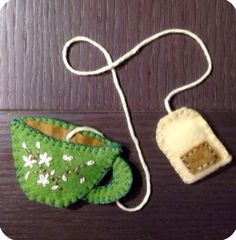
point(19, 134)
point(111, 146)
point(55, 202)
point(186, 158)
point(97, 197)
point(42, 160)
point(187, 112)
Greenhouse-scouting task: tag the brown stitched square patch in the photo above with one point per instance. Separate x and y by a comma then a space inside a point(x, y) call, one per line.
point(200, 158)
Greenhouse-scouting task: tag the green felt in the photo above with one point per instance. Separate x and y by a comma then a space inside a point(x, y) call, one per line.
point(103, 157)
point(119, 185)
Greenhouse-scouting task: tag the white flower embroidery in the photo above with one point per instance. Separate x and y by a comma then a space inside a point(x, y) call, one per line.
point(43, 179)
point(64, 178)
point(24, 145)
point(28, 161)
point(67, 158)
point(82, 180)
point(44, 158)
point(55, 187)
point(27, 175)
point(47, 178)
point(37, 145)
point(90, 162)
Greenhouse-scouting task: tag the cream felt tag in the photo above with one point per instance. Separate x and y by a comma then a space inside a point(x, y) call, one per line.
point(190, 145)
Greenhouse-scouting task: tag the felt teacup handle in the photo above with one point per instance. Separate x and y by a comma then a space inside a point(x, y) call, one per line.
point(117, 188)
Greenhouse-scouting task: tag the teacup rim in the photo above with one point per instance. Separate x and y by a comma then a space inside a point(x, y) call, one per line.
point(19, 122)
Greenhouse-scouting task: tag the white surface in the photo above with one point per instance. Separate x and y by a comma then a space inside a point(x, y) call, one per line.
point(3, 236)
point(232, 237)
point(2, 3)
point(233, 2)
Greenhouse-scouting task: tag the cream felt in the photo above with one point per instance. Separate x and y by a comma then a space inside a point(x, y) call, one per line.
point(181, 131)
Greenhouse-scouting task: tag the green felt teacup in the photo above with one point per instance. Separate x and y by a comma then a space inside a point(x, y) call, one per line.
point(53, 171)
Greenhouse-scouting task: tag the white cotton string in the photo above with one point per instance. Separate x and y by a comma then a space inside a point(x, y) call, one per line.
point(125, 107)
point(133, 51)
point(80, 129)
point(111, 67)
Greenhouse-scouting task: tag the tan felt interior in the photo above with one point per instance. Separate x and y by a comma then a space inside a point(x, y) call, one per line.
point(60, 133)
point(200, 158)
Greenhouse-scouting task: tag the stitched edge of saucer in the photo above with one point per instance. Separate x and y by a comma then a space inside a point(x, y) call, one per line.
point(102, 195)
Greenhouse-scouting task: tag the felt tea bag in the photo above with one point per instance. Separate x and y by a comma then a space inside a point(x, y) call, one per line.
point(190, 145)
point(186, 138)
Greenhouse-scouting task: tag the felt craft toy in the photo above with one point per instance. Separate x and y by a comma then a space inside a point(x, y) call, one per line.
point(190, 145)
point(183, 136)
point(186, 138)
point(58, 172)
point(59, 163)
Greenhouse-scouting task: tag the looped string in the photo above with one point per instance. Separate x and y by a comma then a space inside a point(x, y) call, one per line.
point(111, 65)
point(81, 129)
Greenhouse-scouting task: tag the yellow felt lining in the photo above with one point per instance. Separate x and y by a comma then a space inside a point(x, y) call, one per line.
point(60, 133)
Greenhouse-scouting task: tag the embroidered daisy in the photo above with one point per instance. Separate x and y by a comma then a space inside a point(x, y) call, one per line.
point(44, 159)
point(67, 158)
point(43, 179)
point(28, 161)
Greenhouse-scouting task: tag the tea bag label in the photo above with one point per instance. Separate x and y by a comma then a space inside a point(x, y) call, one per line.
point(190, 145)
